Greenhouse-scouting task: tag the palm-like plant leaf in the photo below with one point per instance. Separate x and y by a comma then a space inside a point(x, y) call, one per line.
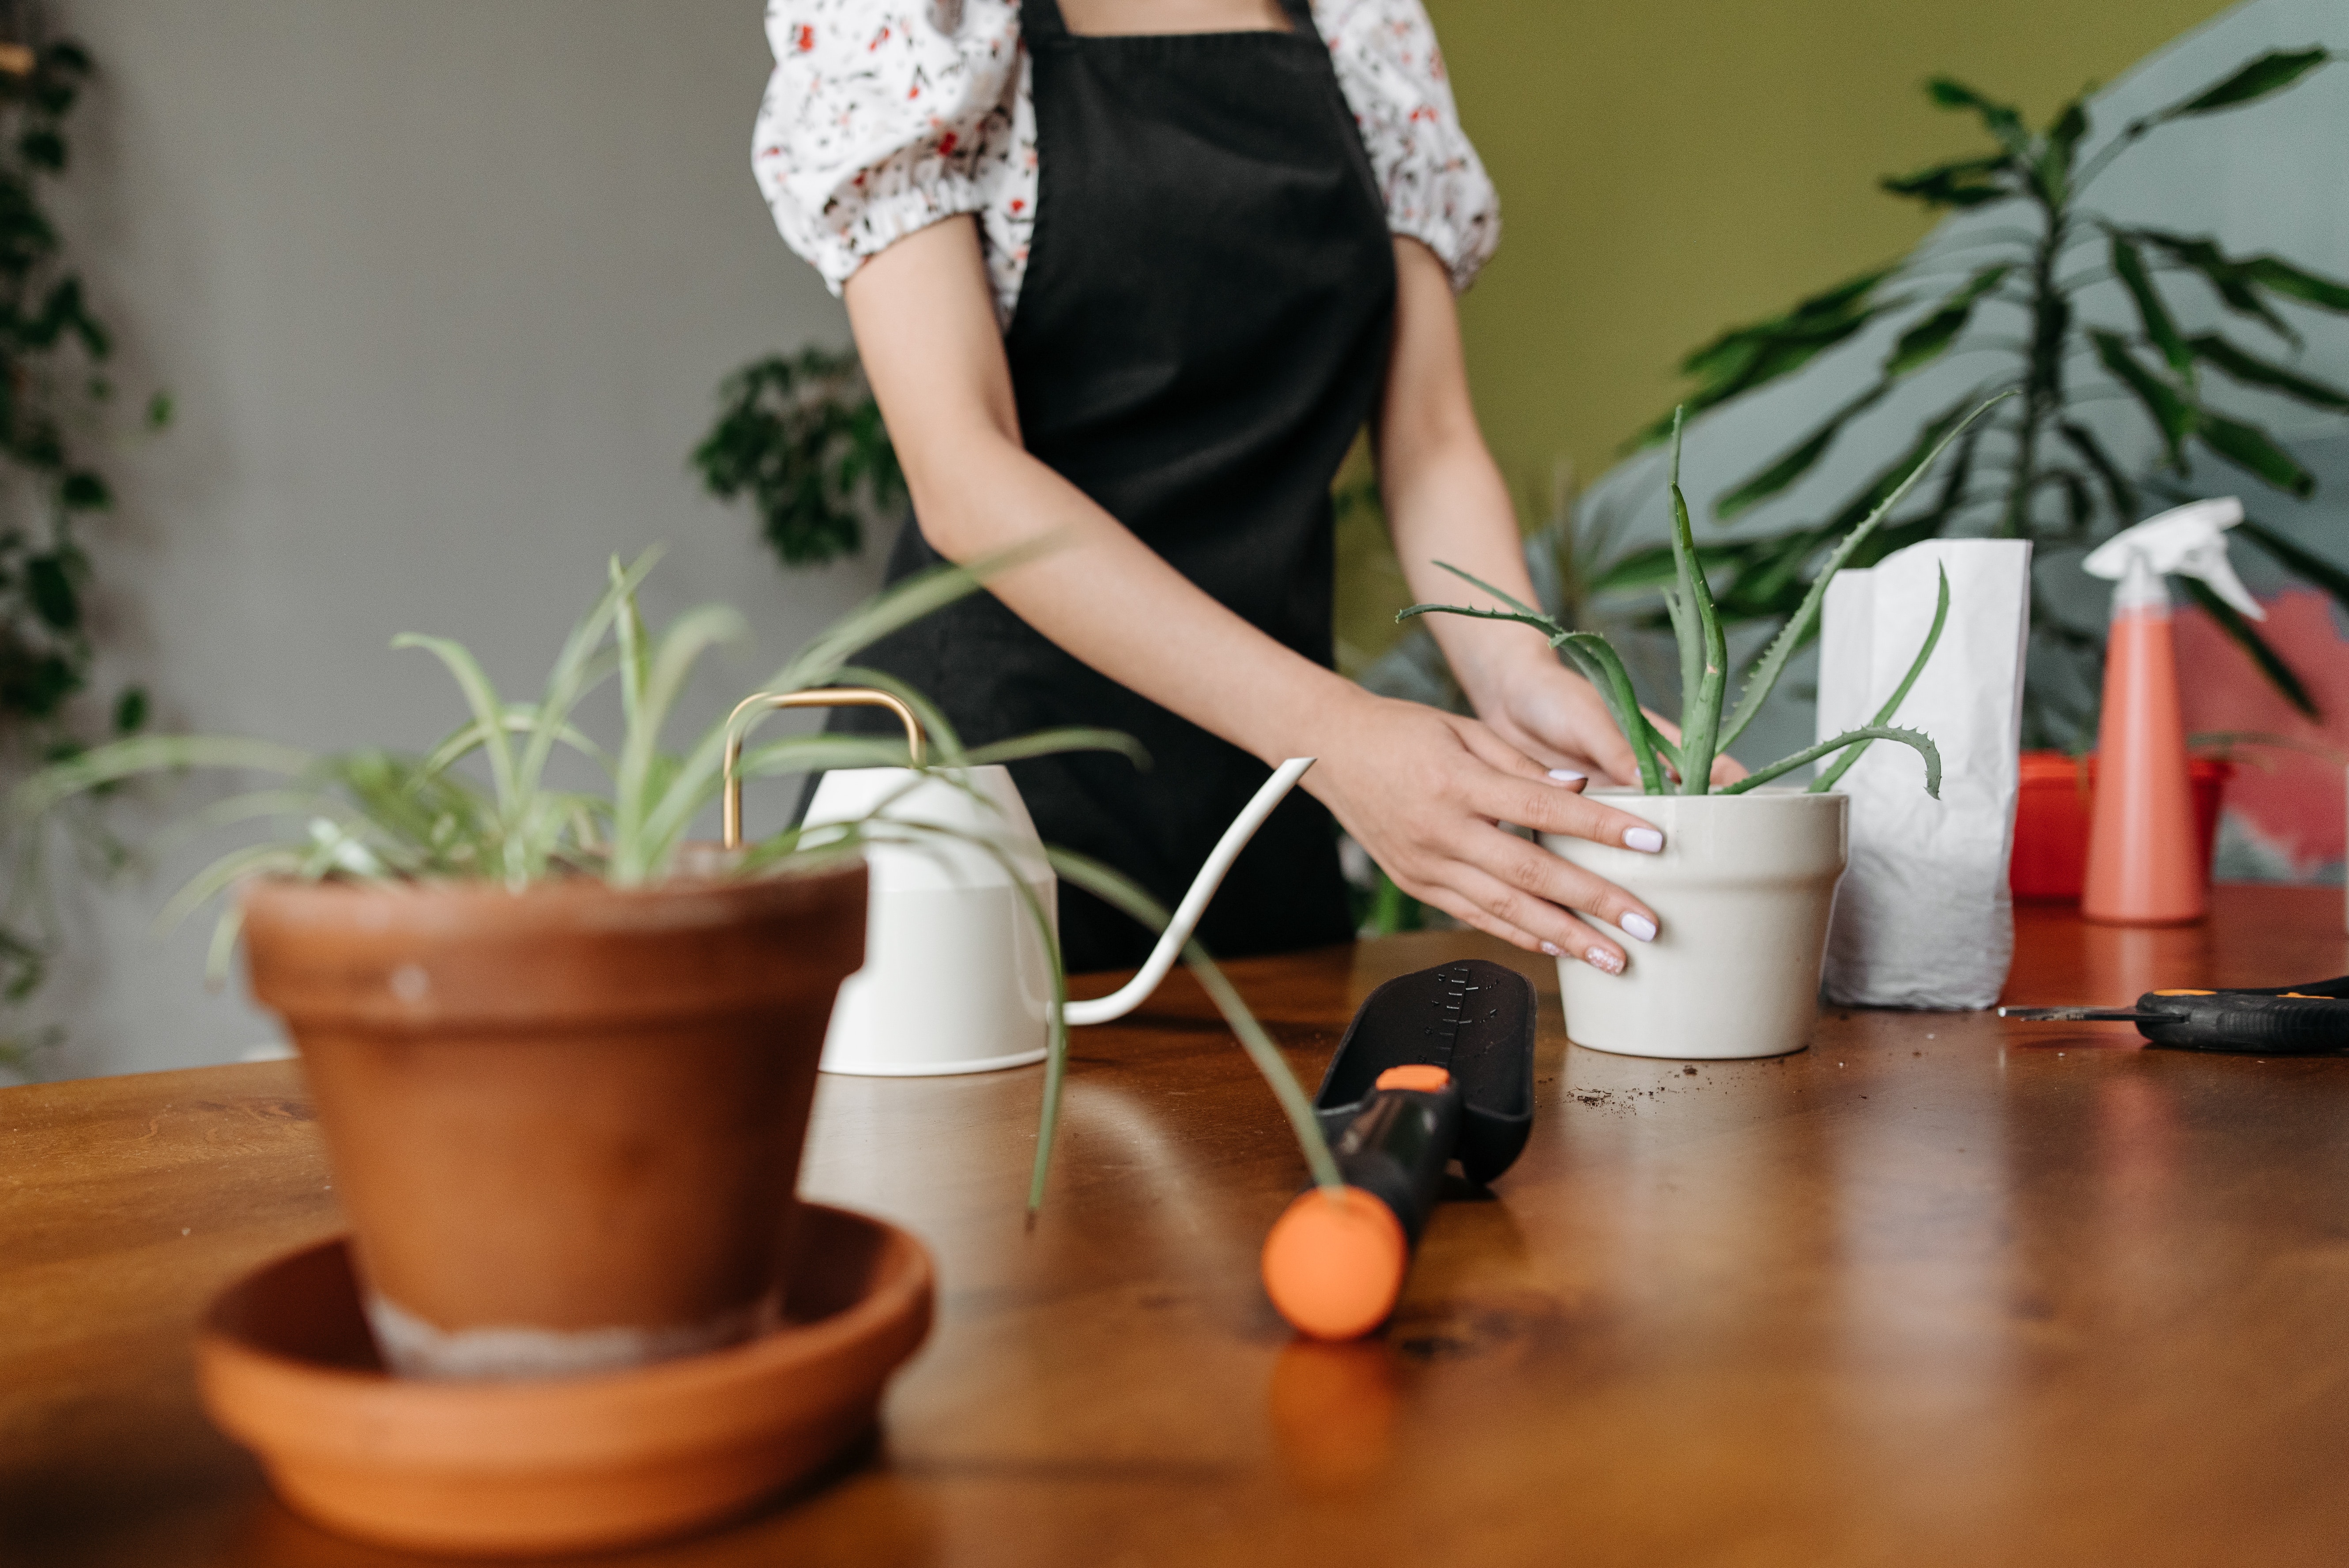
point(2253, 371)
point(2245, 635)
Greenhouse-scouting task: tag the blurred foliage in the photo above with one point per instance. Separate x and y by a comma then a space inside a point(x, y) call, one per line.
point(2037, 470)
point(55, 400)
point(801, 436)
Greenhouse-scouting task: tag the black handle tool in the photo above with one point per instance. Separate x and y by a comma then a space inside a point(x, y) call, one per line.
point(1437, 1066)
point(2310, 1019)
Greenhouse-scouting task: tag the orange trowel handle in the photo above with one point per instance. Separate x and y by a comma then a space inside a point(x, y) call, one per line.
point(1335, 1260)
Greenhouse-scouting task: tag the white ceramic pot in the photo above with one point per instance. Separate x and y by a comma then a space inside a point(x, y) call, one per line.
point(1741, 894)
point(956, 977)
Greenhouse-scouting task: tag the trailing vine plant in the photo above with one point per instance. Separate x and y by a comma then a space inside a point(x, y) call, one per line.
point(2038, 470)
point(55, 397)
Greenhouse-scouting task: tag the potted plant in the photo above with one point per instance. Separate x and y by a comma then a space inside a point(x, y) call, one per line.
point(564, 1059)
point(1747, 879)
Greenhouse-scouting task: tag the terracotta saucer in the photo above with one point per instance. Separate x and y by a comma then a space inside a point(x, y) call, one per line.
point(575, 1464)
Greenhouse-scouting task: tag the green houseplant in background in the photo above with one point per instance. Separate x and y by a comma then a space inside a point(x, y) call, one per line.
point(53, 354)
point(1746, 878)
point(564, 1058)
point(2039, 469)
point(800, 436)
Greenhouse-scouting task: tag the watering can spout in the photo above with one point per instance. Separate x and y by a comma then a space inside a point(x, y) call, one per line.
point(1134, 992)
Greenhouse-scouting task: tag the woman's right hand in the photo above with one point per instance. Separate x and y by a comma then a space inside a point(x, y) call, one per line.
point(1426, 791)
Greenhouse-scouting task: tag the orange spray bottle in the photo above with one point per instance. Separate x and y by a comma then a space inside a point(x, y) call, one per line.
point(2142, 847)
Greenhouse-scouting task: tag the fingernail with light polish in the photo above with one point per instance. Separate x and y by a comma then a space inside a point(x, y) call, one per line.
point(1605, 960)
point(1647, 840)
point(1638, 924)
point(1567, 776)
point(1553, 949)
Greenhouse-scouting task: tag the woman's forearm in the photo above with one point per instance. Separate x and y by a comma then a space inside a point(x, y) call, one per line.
point(929, 346)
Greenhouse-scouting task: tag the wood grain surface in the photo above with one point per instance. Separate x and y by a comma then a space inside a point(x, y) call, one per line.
point(1939, 1290)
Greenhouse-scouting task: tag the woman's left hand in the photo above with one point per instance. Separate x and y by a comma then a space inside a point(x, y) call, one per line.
point(1556, 716)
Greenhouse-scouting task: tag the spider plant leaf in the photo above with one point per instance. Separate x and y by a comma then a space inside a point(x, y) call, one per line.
point(2128, 265)
point(1915, 740)
point(1966, 182)
point(1053, 742)
point(2249, 446)
point(2002, 120)
point(635, 857)
point(1772, 664)
point(2118, 491)
point(1829, 779)
point(222, 873)
point(570, 676)
point(2253, 371)
point(2231, 279)
point(1119, 892)
point(2280, 276)
point(1798, 459)
point(521, 718)
point(2251, 81)
point(482, 698)
point(2315, 569)
point(898, 605)
point(120, 759)
point(2172, 415)
point(1931, 338)
point(2245, 635)
point(939, 739)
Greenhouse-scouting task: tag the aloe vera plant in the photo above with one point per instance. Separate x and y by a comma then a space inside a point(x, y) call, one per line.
point(373, 815)
point(1709, 726)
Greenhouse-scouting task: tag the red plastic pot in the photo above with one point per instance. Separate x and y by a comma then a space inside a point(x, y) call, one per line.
point(2052, 810)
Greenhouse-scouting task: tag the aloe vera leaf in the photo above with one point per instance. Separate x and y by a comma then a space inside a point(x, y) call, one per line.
point(119, 759)
point(1773, 662)
point(1605, 670)
point(1700, 708)
point(481, 697)
point(1916, 738)
point(1827, 781)
point(1114, 889)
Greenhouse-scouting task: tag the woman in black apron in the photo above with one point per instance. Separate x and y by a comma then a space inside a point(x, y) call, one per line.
point(1212, 307)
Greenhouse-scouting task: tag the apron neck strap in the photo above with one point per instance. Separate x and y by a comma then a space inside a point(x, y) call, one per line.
point(1041, 19)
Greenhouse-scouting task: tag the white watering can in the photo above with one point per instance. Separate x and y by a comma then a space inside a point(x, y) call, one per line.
point(956, 977)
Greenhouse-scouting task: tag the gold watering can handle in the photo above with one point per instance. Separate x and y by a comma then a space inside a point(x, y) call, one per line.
point(731, 822)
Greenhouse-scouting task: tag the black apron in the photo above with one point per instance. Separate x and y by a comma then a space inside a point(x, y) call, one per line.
point(1204, 326)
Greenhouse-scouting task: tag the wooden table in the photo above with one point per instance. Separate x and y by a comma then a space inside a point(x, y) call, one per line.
point(1939, 1290)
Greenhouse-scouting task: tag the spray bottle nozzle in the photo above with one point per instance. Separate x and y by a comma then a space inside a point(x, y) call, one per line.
point(2189, 541)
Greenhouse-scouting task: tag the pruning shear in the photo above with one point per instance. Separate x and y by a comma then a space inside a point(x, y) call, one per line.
point(2308, 1019)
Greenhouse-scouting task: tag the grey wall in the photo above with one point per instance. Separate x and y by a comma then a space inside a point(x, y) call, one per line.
point(441, 289)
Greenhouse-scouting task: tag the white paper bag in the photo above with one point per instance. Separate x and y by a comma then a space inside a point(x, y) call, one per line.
point(1922, 918)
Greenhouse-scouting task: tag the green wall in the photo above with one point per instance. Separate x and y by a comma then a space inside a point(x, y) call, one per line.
point(1667, 169)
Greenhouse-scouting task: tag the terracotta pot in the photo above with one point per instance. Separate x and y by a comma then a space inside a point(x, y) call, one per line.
point(1742, 892)
point(566, 1123)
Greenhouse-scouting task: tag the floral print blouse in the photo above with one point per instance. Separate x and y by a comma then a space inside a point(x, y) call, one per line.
point(885, 116)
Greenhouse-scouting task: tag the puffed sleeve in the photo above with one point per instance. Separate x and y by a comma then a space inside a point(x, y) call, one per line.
point(882, 117)
point(1393, 79)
